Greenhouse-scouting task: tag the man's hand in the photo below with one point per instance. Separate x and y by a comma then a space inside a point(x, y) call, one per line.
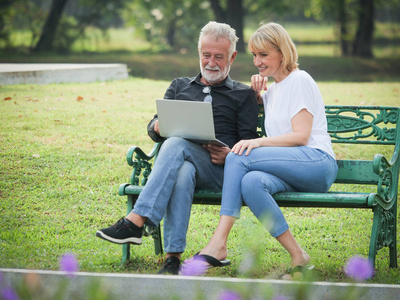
point(156, 127)
point(217, 153)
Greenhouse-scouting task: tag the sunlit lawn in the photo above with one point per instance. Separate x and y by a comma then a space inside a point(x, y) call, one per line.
point(62, 157)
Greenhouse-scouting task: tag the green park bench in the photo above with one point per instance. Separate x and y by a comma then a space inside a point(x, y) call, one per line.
point(361, 125)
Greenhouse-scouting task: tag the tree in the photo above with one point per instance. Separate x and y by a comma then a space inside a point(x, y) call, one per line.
point(342, 12)
point(4, 7)
point(49, 30)
point(343, 32)
point(232, 15)
point(362, 45)
point(172, 24)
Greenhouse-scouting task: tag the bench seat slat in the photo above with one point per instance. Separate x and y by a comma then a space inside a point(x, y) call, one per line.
point(290, 199)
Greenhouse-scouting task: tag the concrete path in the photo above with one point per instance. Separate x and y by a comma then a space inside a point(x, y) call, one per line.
point(60, 73)
point(142, 286)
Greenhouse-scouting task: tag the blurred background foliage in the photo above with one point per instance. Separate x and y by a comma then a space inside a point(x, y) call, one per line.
point(37, 26)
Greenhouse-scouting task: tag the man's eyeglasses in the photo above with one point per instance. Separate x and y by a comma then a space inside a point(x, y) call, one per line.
point(208, 98)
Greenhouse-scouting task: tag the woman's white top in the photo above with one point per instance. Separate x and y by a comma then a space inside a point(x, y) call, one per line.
point(283, 100)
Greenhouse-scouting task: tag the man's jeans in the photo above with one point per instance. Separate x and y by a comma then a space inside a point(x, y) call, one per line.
point(268, 170)
point(180, 167)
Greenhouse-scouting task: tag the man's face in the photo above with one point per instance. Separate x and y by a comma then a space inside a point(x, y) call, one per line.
point(215, 62)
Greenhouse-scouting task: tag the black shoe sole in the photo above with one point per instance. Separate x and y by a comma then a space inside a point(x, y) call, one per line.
point(131, 240)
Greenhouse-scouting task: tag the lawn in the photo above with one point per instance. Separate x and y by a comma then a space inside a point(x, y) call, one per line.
point(62, 158)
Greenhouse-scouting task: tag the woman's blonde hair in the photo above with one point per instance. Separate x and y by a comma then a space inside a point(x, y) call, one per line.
point(278, 37)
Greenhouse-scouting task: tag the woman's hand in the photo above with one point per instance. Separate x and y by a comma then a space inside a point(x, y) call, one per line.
point(241, 146)
point(259, 83)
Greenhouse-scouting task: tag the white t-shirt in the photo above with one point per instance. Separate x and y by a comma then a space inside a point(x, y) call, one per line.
point(283, 100)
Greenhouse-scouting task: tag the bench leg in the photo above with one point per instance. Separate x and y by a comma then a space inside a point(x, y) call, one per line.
point(158, 248)
point(126, 248)
point(393, 246)
point(384, 234)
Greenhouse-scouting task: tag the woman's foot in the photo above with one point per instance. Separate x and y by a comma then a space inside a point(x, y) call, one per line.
point(219, 252)
point(299, 265)
point(300, 259)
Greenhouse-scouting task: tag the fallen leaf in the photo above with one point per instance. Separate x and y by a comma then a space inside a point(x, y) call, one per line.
point(7, 98)
point(104, 111)
point(36, 155)
point(80, 98)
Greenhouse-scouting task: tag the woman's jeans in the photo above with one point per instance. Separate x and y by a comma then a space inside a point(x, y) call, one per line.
point(181, 166)
point(269, 170)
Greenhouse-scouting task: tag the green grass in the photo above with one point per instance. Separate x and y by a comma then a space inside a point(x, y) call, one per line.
point(62, 161)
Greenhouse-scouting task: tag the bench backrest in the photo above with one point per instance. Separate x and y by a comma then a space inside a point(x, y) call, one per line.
point(377, 125)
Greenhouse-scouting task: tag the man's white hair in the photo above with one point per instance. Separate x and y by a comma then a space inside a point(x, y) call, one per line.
point(219, 30)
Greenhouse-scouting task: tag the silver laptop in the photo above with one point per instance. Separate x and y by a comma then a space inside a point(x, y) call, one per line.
point(191, 120)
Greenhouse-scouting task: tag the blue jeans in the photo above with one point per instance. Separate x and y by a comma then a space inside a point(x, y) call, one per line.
point(181, 166)
point(269, 170)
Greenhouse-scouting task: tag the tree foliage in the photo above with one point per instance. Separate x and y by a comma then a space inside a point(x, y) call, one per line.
point(58, 28)
point(172, 24)
point(175, 24)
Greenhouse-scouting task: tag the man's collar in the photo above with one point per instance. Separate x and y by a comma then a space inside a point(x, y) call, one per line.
point(228, 82)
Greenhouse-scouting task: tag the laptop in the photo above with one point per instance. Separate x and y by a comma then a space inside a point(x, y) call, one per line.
point(191, 120)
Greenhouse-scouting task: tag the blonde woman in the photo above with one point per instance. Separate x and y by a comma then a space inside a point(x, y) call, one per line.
point(296, 155)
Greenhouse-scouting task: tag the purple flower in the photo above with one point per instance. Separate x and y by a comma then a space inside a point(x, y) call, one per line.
point(359, 268)
point(69, 264)
point(229, 295)
point(9, 294)
point(195, 267)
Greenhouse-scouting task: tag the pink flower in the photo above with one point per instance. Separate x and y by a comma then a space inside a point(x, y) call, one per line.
point(69, 264)
point(195, 267)
point(359, 268)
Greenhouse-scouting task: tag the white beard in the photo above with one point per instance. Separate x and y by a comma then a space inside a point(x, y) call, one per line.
point(211, 77)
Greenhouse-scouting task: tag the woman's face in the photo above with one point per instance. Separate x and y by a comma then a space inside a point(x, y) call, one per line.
point(269, 62)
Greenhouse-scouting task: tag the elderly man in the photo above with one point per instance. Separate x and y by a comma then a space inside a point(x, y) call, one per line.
point(183, 166)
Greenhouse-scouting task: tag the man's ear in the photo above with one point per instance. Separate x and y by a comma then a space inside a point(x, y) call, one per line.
point(233, 57)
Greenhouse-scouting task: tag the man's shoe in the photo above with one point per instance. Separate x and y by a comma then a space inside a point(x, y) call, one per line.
point(122, 232)
point(171, 266)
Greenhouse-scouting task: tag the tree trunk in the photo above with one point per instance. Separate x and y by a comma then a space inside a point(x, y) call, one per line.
point(45, 42)
point(362, 46)
point(233, 16)
point(171, 33)
point(4, 5)
point(220, 14)
point(344, 38)
point(235, 19)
